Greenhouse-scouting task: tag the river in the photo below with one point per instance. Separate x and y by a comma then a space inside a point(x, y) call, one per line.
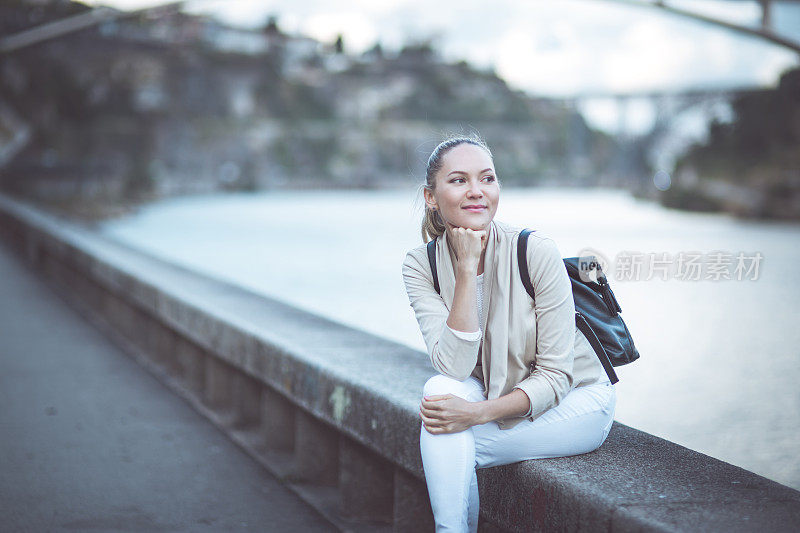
point(720, 363)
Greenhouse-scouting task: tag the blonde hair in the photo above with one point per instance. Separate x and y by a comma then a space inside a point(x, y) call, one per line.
point(432, 223)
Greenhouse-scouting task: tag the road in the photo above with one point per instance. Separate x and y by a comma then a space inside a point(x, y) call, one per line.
point(90, 441)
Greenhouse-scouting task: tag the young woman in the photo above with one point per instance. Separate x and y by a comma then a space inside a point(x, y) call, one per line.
point(516, 380)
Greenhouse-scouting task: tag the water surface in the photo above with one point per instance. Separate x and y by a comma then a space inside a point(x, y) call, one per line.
point(720, 362)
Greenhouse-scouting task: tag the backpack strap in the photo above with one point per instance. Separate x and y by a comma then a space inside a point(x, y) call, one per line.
point(590, 335)
point(432, 261)
point(580, 320)
point(522, 260)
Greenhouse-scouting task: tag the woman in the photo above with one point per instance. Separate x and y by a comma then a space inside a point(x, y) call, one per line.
point(516, 380)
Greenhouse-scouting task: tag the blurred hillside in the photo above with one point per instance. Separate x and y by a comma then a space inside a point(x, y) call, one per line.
point(168, 103)
point(751, 166)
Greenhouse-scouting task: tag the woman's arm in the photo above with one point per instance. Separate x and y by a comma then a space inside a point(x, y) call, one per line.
point(450, 414)
point(463, 312)
point(552, 376)
point(468, 245)
point(451, 354)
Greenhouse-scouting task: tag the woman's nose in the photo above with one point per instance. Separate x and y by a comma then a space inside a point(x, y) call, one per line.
point(475, 190)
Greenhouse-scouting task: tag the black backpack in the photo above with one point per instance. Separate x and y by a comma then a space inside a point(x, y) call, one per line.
point(596, 307)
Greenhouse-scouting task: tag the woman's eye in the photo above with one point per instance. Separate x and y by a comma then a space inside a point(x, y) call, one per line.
point(456, 180)
point(490, 178)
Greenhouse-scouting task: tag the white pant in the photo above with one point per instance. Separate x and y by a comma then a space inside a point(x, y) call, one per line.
point(578, 424)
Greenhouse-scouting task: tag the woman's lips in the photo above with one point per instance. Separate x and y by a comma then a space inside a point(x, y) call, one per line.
point(475, 208)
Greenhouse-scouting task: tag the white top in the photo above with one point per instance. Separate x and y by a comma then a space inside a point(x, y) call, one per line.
point(474, 335)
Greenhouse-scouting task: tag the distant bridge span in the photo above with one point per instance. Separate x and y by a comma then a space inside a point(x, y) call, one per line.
point(695, 93)
point(765, 32)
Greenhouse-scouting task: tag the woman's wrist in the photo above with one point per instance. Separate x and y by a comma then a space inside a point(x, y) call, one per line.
point(467, 267)
point(513, 404)
point(482, 415)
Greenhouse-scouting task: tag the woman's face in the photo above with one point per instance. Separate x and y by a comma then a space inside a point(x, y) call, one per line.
point(467, 191)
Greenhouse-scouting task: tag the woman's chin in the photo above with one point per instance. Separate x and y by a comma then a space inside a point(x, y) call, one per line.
point(475, 225)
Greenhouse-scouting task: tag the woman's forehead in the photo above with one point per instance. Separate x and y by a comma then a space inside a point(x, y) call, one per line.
point(467, 158)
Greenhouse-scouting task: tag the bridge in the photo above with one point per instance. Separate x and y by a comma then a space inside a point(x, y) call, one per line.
point(765, 30)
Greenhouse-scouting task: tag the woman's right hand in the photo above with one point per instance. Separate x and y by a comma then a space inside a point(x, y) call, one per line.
point(468, 245)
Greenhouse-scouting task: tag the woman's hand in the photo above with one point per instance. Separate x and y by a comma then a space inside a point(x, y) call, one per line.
point(448, 414)
point(468, 244)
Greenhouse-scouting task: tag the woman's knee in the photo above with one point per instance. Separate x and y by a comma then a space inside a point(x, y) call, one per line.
point(441, 384)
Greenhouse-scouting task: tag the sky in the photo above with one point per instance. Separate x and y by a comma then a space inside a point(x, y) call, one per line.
point(545, 47)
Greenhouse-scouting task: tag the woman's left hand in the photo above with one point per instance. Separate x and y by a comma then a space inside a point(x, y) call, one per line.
point(448, 414)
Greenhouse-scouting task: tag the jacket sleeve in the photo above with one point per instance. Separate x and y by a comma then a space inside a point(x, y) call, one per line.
point(452, 355)
point(552, 376)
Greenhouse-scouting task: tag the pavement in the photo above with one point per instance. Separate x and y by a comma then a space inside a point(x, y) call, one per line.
point(90, 441)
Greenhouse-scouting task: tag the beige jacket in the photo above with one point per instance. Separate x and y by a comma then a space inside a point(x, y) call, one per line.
point(516, 336)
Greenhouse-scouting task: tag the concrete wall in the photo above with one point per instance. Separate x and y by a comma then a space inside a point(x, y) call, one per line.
point(333, 410)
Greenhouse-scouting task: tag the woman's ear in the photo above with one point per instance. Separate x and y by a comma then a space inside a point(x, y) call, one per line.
point(430, 199)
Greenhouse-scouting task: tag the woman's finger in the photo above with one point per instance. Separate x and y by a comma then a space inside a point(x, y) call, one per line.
point(431, 422)
point(440, 403)
point(433, 406)
point(435, 430)
point(436, 397)
point(434, 415)
point(439, 430)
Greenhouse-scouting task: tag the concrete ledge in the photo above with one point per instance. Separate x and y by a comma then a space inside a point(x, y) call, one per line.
point(308, 397)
